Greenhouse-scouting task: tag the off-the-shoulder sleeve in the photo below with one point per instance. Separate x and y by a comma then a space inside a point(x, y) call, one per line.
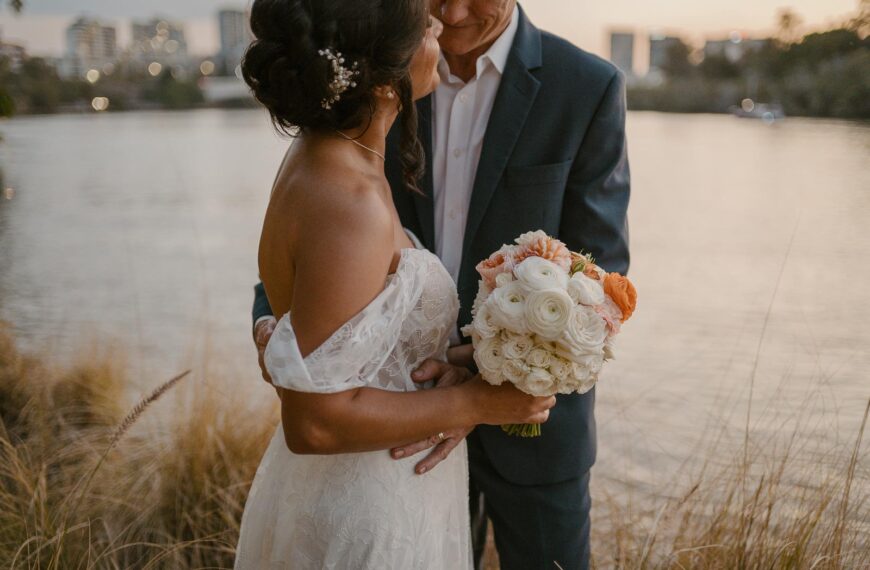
point(353, 355)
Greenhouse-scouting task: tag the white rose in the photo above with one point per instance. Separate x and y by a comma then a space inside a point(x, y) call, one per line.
point(538, 274)
point(515, 371)
point(516, 346)
point(585, 291)
point(560, 369)
point(507, 306)
point(483, 323)
point(539, 357)
point(585, 333)
point(548, 312)
point(539, 382)
point(503, 279)
point(588, 366)
point(489, 359)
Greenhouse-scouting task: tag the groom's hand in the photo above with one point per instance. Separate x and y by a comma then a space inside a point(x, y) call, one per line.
point(262, 333)
point(445, 375)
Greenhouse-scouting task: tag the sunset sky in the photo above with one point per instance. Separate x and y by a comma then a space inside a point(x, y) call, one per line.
point(585, 22)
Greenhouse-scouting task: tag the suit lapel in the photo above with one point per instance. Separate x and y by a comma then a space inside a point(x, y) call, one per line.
point(514, 100)
point(425, 204)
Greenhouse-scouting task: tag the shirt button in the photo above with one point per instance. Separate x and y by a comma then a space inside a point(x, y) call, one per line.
point(457, 152)
point(452, 214)
point(463, 98)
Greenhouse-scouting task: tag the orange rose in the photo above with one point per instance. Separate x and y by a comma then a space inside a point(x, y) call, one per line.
point(622, 292)
point(546, 247)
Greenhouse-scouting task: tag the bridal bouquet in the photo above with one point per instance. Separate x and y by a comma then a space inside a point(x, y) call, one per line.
point(544, 319)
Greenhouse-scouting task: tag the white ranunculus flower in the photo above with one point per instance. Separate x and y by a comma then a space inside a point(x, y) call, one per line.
point(560, 369)
point(539, 357)
point(548, 312)
point(503, 279)
point(538, 274)
point(515, 371)
point(489, 359)
point(585, 332)
point(483, 292)
point(516, 346)
point(483, 323)
point(585, 291)
point(531, 237)
point(507, 306)
point(608, 349)
point(539, 382)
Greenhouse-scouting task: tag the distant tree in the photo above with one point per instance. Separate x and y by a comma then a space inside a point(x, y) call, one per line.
point(789, 22)
point(718, 67)
point(861, 23)
point(16, 4)
point(678, 60)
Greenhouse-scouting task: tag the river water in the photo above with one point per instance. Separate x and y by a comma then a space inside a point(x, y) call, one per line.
point(750, 243)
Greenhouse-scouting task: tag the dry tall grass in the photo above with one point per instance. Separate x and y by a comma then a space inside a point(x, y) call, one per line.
point(171, 492)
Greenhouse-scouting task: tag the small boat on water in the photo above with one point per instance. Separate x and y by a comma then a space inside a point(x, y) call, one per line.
point(767, 112)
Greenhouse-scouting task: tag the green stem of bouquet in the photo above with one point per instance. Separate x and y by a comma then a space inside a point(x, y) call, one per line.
point(522, 430)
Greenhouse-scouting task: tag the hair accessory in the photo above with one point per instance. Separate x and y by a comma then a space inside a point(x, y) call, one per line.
point(342, 77)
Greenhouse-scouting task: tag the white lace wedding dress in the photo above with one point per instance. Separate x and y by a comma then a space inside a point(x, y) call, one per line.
point(363, 510)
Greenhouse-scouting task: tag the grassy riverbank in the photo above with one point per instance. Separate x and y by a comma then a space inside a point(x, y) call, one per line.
point(166, 490)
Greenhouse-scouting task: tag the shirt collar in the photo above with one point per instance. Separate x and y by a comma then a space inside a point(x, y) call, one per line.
point(497, 54)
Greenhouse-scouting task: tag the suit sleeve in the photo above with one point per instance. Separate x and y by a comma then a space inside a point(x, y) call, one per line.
point(261, 303)
point(594, 214)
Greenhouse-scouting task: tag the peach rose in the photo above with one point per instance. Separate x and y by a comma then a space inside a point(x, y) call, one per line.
point(612, 316)
point(498, 263)
point(622, 292)
point(546, 247)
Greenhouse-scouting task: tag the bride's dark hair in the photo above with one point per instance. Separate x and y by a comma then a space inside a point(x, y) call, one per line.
point(287, 74)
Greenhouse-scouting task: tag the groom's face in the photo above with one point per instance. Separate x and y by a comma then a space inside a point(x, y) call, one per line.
point(471, 26)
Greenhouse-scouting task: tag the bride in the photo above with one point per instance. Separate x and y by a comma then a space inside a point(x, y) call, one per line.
point(363, 306)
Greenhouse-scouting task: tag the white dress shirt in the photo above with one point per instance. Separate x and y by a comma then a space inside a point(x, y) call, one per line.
point(460, 115)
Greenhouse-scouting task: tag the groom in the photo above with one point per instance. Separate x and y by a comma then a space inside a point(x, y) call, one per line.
point(526, 132)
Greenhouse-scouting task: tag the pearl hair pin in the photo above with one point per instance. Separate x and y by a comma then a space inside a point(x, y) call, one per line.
point(342, 76)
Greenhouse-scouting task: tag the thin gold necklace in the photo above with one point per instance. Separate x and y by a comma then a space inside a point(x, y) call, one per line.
point(361, 145)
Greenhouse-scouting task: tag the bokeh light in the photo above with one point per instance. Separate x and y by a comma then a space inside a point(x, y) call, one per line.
point(92, 76)
point(100, 103)
point(206, 67)
point(9, 193)
point(154, 68)
point(748, 105)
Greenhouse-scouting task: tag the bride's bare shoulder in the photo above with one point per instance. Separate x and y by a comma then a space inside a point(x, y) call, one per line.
point(319, 206)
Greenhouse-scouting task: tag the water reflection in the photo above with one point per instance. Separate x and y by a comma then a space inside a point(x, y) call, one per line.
point(143, 227)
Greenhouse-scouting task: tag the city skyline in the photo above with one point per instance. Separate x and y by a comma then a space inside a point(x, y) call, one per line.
point(41, 28)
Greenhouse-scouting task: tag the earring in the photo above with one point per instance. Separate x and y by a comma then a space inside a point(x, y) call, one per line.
point(391, 95)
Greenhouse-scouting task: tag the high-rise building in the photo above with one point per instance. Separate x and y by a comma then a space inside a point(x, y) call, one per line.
point(159, 40)
point(235, 38)
point(660, 50)
point(89, 45)
point(622, 51)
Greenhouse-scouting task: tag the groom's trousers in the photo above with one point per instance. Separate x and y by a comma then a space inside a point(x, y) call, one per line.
point(538, 527)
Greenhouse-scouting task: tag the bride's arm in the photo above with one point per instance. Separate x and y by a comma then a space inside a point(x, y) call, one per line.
point(340, 267)
point(369, 419)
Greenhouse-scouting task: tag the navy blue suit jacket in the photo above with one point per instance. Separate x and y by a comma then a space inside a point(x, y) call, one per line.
point(554, 159)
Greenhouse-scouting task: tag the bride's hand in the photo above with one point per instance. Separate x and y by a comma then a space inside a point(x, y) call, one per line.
point(444, 443)
point(505, 404)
